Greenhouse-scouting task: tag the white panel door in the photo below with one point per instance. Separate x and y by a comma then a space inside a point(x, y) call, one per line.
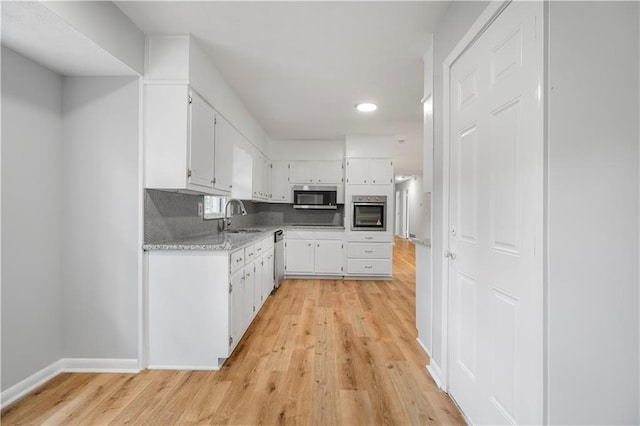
point(249, 284)
point(201, 142)
point(495, 318)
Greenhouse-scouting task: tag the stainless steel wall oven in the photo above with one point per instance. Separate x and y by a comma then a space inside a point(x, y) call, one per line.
point(369, 213)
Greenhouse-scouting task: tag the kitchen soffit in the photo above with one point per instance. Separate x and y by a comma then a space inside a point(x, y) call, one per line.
point(299, 67)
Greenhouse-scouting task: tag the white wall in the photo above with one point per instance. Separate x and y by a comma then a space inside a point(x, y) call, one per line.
point(454, 24)
point(101, 233)
point(593, 243)
point(330, 150)
point(419, 207)
point(31, 218)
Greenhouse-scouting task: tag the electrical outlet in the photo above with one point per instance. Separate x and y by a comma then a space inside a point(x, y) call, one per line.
point(200, 209)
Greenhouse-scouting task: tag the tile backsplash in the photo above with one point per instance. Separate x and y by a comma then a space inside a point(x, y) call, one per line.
point(171, 216)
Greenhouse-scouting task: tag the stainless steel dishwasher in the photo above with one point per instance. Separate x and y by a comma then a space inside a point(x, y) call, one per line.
point(278, 257)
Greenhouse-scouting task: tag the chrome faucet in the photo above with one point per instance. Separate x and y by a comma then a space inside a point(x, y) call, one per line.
point(227, 219)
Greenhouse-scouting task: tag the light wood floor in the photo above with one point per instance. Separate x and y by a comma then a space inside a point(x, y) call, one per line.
point(319, 353)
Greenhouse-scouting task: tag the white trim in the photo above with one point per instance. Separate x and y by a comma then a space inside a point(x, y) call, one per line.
point(141, 261)
point(478, 27)
point(424, 348)
point(184, 367)
point(436, 373)
point(32, 382)
point(99, 365)
point(67, 365)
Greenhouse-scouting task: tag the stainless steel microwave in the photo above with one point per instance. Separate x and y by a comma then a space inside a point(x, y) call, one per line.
point(315, 197)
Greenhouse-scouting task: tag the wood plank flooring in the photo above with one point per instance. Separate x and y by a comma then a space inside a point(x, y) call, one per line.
point(321, 352)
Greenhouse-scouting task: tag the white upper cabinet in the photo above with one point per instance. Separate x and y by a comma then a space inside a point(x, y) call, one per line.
point(280, 189)
point(316, 172)
point(302, 172)
point(180, 141)
point(201, 143)
point(369, 171)
point(329, 172)
point(225, 135)
point(261, 177)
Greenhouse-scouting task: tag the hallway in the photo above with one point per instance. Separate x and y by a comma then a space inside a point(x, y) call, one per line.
point(321, 352)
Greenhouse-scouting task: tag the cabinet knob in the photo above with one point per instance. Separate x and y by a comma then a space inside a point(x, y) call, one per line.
point(309, 244)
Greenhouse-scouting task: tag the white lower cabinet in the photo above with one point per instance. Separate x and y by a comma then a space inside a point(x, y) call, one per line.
point(200, 303)
point(329, 257)
point(299, 257)
point(369, 254)
point(314, 253)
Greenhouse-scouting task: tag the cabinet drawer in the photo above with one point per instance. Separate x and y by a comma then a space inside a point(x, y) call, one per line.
point(267, 244)
point(329, 235)
point(369, 266)
point(249, 254)
point(300, 235)
point(259, 250)
point(369, 251)
point(236, 260)
point(372, 237)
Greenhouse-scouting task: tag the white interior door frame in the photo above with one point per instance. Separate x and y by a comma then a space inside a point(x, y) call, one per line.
point(484, 20)
point(405, 213)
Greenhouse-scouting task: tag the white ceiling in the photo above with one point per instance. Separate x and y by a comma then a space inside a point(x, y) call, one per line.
point(300, 67)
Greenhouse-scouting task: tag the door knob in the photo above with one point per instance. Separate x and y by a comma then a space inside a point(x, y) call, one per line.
point(451, 254)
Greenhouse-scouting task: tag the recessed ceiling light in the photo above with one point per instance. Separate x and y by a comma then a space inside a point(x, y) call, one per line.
point(366, 107)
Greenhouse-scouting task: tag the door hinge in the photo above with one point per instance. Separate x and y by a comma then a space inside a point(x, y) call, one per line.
point(188, 173)
point(215, 120)
point(288, 166)
point(190, 99)
point(342, 246)
point(254, 309)
point(230, 288)
point(347, 180)
point(230, 340)
point(213, 181)
point(342, 268)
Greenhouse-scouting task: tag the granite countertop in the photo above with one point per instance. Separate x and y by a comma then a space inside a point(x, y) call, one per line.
point(422, 241)
point(227, 241)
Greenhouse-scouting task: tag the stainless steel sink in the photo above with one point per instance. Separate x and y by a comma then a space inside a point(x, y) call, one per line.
point(243, 231)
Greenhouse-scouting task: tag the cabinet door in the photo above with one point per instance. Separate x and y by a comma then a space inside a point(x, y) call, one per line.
point(280, 182)
point(267, 274)
point(329, 172)
point(249, 285)
point(299, 258)
point(302, 172)
point(381, 172)
point(358, 170)
point(224, 137)
point(257, 289)
point(329, 257)
point(236, 303)
point(201, 143)
point(266, 178)
point(257, 176)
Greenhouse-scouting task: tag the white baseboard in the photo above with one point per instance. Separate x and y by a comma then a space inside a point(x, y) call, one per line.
point(32, 382)
point(424, 347)
point(436, 373)
point(67, 365)
point(99, 365)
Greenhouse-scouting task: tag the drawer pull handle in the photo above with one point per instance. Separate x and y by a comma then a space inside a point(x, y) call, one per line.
point(368, 267)
point(368, 251)
point(239, 260)
point(368, 238)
